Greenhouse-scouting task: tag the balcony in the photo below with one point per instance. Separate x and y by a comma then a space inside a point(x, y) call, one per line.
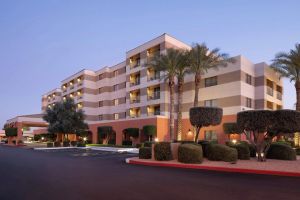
point(279, 95)
point(154, 96)
point(135, 100)
point(270, 91)
point(135, 112)
point(153, 110)
point(134, 62)
point(135, 79)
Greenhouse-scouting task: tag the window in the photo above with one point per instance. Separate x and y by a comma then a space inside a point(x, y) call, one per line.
point(278, 107)
point(116, 116)
point(100, 117)
point(211, 81)
point(100, 103)
point(269, 87)
point(115, 73)
point(101, 76)
point(116, 102)
point(210, 103)
point(248, 102)
point(115, 87)
point(249, 79)
point(210, 135)
point(270, 105)
point(157, 110)
point(100, 90)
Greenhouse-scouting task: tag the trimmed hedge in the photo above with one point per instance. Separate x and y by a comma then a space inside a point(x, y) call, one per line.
point(206, 146)
point(132, 132)
point(220, 152)
point(139, 145)
point(11, 132)
point(162, 151)
point(190, 153)
point(66, 143)
point(50, 144)
point(149, 130)
point(57, 144)
point(148, 144)
point(74, 143)
point(145, 153)
point(127, 143)
point(281, 152)
point(298, 151)
point(205, 116)
point(81, 144)
point(242, 150)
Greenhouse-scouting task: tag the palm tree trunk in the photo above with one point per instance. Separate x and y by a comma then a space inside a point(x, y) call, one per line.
point(172, 106)
point(197, 87)
point(297, 86)
point(179, 106)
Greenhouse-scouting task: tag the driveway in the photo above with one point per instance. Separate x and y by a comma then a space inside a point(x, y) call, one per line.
point(28, 174)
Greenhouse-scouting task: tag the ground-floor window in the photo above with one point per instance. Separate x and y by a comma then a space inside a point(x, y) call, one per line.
point(210, 135)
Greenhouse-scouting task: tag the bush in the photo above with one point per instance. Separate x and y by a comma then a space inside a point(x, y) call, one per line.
point(138, 145)
point(37, 137)
point(132, 132)
point(57, 144)
point(281, 152)
point(148, 144)
point(190, 153)
point(145, 153)
point(162, 151)
point(81, 144)
point(298, 151)
point(242, 150)
point(66, 143)
point(11, 132)
point(219, 152)
point(49, 144)
point(149, 130)
point(206, 146)
point(74, 143)
point(127, 143)
point(251, 148)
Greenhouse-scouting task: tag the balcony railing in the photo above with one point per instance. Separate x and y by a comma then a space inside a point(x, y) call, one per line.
point(135, 64)
point(279, 95)
point(135, 100)
point(269, 91)
point(137, 82)
point(154, 96)
point(153, 77)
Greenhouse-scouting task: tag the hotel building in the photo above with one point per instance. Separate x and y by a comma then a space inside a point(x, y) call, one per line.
point(132, 94)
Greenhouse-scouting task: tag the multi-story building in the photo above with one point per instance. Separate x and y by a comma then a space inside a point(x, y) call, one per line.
point(133, 94)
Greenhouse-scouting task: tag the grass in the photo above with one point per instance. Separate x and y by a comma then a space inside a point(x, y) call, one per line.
point(107, 145)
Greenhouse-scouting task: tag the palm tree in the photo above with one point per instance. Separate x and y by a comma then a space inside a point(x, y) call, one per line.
point(182, 70)
point(288, 65)
point(168, 63)
point(201, 60)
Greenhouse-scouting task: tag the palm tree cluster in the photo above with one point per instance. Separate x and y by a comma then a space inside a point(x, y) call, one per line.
point(176, 64)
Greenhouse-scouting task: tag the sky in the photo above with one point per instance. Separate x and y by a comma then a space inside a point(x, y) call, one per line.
point(43, 42)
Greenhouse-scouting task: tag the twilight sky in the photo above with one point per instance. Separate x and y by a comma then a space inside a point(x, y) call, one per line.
point(43, 42)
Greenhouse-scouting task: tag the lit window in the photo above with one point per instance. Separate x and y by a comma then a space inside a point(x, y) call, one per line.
point(210, 135)
point(116, 102)
point(116, 115)
point(78, 93)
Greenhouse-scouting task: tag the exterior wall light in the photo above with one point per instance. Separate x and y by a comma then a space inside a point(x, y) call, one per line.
point(156, 139)
point(190, 132)
point(43, 138)
point(234, 141)
point(85, 139)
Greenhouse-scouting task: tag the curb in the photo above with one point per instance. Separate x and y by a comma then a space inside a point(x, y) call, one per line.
point(220, 169)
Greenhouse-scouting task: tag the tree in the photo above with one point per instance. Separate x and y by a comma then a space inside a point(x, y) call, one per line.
point(64, 118)
point(181, 71)
point(168, 63)
point(132, 132)
point(288, 65)
point(11, 132)
point(106, 133)
point(201, 60)
point(261, 126)
point(231, 128)
point(205, 116)
point(149, 131)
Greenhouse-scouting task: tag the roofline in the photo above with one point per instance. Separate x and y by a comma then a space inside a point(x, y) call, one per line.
point(77, 73)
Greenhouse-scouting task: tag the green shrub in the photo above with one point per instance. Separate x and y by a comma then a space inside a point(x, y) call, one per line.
point(57, 144)
point(138, 145)
point(74, 143)
point(66, 143)
point(298, 151)
point(148, 144)
point(11, 132)
point(132, 132)
point(206, 146)
point(49, 144)
point(37, 137)
point(162, 151)
point(149, 130)
point(283, 142)
point(281, 152)
point(145, 153)
point(81, 144)
point(190, 153)
point(242, 149)
point(127, 143)
point(231, 128)
point(220, 152)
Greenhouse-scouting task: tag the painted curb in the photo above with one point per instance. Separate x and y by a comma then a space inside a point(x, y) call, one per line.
point(220, 169)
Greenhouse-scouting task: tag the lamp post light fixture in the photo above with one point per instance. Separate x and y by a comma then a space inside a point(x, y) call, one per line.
point(156, 139)
point(234, 141)
point(43, 138)
point(84, 139)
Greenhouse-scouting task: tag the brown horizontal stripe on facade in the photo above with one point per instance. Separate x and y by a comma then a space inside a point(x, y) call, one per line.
point(122, 115)
point(87, 104)
point(89, 77)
